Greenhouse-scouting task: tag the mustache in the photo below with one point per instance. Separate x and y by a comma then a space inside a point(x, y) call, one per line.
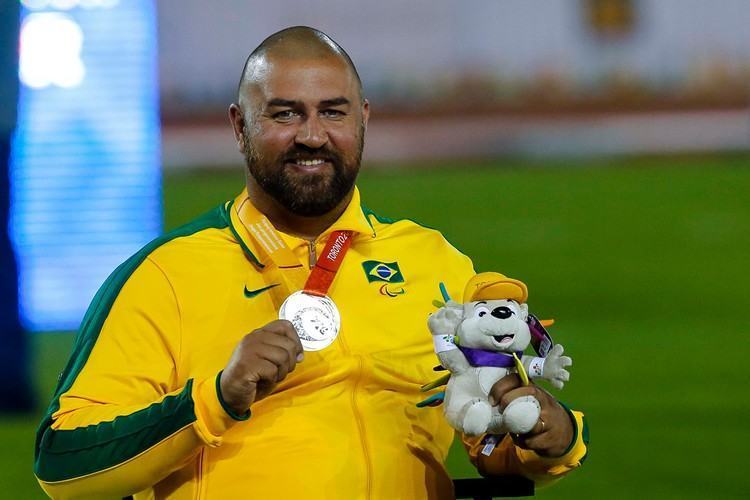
point(302, 153)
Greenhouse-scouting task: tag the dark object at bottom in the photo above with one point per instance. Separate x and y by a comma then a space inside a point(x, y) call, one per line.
point(486, 488)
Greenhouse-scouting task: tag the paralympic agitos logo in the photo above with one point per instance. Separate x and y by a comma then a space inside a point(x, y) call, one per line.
point(387, 272)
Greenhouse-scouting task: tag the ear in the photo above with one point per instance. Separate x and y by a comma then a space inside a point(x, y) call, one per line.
point(237, 120)
point(365, 113)
point(524, 311)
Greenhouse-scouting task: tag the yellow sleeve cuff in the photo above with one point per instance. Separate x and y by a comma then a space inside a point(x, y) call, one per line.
point(213, 418)
point(552, 467)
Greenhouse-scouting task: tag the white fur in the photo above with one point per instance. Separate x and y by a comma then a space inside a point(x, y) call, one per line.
point(466, 405)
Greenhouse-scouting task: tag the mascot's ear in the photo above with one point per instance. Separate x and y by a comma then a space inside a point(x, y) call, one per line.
point(524, 311)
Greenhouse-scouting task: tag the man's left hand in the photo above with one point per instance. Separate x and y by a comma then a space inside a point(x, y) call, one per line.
point(552, 433)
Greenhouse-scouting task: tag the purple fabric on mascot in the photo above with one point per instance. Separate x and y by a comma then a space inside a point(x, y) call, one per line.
point(481, 357)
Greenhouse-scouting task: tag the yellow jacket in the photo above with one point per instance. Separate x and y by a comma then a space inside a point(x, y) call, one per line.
point(137, 411)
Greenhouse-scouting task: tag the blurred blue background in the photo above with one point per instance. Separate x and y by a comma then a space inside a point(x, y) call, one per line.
point(85, 169)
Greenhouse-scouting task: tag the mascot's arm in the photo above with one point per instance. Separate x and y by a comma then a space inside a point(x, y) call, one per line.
point(443, 325)
point(551, 368)
point(454, 360)
point(508, 459)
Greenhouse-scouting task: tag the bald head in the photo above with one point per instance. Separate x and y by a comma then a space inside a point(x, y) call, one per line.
point(300, 123)
point(299, 43)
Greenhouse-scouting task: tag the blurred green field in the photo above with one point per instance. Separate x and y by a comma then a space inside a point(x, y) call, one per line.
point(644, 264)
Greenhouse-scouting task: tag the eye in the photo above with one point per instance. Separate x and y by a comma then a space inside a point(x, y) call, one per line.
point(332, 113)
point(502, 312)
point(480, 311)
point(284, 116)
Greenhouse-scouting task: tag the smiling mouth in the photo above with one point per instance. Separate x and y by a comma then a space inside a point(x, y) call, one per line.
point(502, 338)
point(307, 163)
point(310, 166)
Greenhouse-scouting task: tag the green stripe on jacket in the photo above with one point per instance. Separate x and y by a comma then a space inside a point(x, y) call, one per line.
point(66, 454)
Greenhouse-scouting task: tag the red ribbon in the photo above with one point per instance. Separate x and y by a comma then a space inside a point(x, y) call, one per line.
point(328, 264)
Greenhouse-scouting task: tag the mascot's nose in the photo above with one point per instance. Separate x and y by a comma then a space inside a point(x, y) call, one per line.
point(502, 312)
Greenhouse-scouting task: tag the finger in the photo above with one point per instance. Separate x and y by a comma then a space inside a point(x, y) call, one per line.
point(289, 348)
point(502, 386)
point(285, 327)
point(278, 356)
point(267, 371)
point(556, 384)
point(540, 427)
point(280, 341)
point(539, 442)
point(530, 440)
point(527, 390)
point(452, 304)
point(282, 370)
point(282, 327)
point(519, 440)
point(564, 375)
point(281, 373)
point(566, 361)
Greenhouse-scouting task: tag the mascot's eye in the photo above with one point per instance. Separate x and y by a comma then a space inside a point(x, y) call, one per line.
point(502, 312)
point(480, 311)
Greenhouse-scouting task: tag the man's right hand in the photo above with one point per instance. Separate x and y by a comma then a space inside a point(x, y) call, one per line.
point(262, 359)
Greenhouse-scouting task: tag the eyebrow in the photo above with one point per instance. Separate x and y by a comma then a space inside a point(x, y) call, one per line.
point(336, 101)
point(480, 302)
point(281, 103)
point(286, 103)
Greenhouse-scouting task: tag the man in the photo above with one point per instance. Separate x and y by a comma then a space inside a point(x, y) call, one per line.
point(167, 394)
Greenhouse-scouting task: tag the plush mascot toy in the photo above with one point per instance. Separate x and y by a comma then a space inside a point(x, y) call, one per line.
point(483, 340)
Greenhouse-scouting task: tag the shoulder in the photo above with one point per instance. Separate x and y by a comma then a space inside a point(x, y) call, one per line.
point(165, 250)
point(416, 238)
point(141, 273)
point(203, 235)
point(405, 228)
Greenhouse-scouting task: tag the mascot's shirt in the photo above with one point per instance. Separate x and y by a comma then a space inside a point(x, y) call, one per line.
point(137, 412)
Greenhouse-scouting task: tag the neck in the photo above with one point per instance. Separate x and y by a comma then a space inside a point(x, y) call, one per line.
point(308, 228)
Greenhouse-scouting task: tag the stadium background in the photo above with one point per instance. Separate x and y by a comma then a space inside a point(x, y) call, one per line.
point(596, 149)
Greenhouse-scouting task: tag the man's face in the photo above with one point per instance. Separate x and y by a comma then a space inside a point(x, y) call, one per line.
point(304, 132)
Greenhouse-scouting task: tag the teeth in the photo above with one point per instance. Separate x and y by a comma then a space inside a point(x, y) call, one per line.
point(310, 163)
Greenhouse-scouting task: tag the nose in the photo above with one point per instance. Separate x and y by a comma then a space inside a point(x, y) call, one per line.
point(312, 133)
point(502, 312)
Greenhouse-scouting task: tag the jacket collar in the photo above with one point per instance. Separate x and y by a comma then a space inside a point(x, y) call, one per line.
point(352, 219)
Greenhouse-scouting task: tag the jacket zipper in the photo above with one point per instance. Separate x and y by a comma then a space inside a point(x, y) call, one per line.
point(361, 428)
point(358, 417)
point(313, 258)
point(355, 409)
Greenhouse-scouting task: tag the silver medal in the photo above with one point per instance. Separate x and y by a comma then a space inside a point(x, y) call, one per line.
point(316, 319)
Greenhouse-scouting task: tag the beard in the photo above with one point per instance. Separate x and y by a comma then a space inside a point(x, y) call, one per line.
point(307, 195)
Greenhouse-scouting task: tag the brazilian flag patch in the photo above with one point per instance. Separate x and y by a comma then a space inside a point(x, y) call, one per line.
point(388, 272)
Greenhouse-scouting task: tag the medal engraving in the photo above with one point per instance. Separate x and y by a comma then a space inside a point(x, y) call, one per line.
point(315, 319)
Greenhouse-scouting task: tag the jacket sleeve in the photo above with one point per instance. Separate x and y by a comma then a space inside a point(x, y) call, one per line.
point(121, 419)
point(508, 459)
